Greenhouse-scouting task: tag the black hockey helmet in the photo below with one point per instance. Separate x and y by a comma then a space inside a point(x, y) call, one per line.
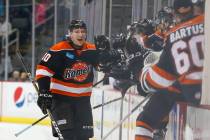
point(200, 3)
point(164, 18)
point(182, 3)
point(144, 26)
point(75, 24)
point(147, 25)
point(164, 15)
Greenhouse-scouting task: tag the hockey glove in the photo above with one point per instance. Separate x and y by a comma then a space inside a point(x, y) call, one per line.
point(136, 62)
point(102, 42)
point(119, 73)
point(44, 100)
point(111, 56)
point(155, 42)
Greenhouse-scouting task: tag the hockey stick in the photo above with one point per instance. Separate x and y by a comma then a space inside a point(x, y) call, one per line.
point(45, 116)
point(34, 84)
point(20, 132)
point(106, 103)
point(133, 110)
point(55, 125)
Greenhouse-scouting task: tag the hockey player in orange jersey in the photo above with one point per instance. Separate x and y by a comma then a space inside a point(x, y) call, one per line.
point(65, 80)
point(177, 76)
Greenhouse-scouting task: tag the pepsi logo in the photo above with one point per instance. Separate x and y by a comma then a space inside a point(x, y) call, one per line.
point(19, 97)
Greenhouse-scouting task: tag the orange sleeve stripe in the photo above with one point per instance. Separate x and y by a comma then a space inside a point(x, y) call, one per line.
point(144, 125)
point(189, 81)
point(71, 84)
point(163, 73)
point(39, 76)
point(45, 68)
point(157, 86)
point(55, 91)
point(159, 34)
point(153, 83)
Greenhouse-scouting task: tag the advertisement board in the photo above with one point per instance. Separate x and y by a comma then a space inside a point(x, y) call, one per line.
point(19, 100)
point(19, 106)
point(0, 100)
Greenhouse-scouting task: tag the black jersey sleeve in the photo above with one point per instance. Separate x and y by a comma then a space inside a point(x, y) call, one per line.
point(50, 64)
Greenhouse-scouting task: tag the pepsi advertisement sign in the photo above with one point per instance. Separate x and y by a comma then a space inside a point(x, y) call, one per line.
point(20, 99)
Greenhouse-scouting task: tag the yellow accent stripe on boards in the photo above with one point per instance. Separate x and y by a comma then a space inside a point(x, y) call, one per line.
point(24, 120)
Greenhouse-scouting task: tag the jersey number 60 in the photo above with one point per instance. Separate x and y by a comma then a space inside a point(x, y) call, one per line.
point(188, 54)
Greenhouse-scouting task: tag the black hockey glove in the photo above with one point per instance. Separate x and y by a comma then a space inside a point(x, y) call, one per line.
point(102, 42)
point(132, 45)
point(44, 100)
point(155, 42)
point(136, 62)
point(119, 73)
point(111, 56)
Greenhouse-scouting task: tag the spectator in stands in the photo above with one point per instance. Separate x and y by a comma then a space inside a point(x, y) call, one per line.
point(23, 77)
point(3, 29)
point(40, 15)
point(4, 26)
point(21, 19)
point(2, 64)
point(15, 76)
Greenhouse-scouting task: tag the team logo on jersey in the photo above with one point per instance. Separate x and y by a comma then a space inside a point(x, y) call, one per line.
point(19, 97)
point(79, 72)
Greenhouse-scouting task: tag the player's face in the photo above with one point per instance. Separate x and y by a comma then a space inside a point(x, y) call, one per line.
point(198, 10)
point(78, 36)
point(139, 38)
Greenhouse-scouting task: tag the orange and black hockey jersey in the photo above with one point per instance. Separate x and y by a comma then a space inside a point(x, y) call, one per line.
point(180, 62)
point(155, 41)
point(70, 70)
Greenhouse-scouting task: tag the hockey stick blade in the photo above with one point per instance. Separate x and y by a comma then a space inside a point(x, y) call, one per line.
point(20, 132)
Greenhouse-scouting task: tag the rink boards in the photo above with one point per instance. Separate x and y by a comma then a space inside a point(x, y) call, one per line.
point(18, 106)
point(189, 123)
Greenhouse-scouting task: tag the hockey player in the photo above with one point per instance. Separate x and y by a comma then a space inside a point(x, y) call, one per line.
point(163, 22)
point(199, 7)
point(139, 30)
point(137, 52)
point(65, 79)
point(177, 75)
